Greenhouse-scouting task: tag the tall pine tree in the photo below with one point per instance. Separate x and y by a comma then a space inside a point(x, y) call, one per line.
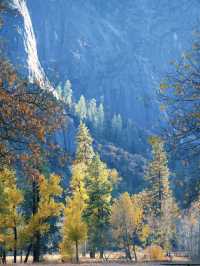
point(67, 93)
point(157, 175)
point(77, 184)
point(84, 149)
point(81, 108)
point(99, 188)
point(162, 207)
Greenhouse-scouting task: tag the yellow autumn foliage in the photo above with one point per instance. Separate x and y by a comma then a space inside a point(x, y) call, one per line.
point(48, 207)
point(74, 229)
point(155, 252)
point(10, 217)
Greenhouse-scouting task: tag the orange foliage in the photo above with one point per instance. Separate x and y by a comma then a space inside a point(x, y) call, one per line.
point(28, 115)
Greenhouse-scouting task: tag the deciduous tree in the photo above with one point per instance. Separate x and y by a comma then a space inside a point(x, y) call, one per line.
point(29, 116)
point(10, 216)
point(46, 192)
point(128, 222)
point(74, 228)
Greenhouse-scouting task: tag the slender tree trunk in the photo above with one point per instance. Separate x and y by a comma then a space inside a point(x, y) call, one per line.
point(101, 253)
point(128, 252)
point(64, 138)
point(4, 256)
point(21, 256)
point(77, 254)
point(160, 193)
point(84, 249)
point(92, 254)
point(127, 246)
point(28, 253)
point(1, 255)
point(198, 255)
point(135, 254)
point(36, 241)
point(15, 244)
point(36, 248)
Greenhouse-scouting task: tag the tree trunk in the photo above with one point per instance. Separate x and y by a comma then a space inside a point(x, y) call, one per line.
point(15, 244)
point(101, 253)
point(127, 245)
point(198, 255)
point(36, 248)
point(4, 257)
point(92, 254)
point(21, 256)
point(160, 194)
point(36, 241)
point(64, 138)
point(135, 254)
point(128, 252)
point(28, 253)
point(77, 255)
point(84, 249)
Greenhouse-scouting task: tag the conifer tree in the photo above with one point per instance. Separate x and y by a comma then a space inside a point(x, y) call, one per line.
point(116, 125)
point(98, 209)
point(92, 111)
point(59, 91)
point(67, 93)
point(77, 183)
point(81, 108)
point(162, 206)
point(100, 118)
point(74, 228)
point(84, 149)
point(157, 175)
point(117, 122)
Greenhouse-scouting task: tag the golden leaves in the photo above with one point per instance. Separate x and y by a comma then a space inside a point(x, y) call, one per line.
point(41, 133)
point(12, 198)
point(48, 207)
point(127, 218)
point(74, 228)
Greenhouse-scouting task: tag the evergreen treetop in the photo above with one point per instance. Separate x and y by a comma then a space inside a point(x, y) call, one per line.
point(84, 149)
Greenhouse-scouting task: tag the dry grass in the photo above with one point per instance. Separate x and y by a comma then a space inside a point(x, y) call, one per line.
point(88, 264)
point(113, 259)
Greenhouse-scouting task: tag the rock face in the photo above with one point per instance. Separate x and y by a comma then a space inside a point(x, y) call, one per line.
point(117, 50)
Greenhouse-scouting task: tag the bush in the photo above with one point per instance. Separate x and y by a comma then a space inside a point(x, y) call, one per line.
point(155, 252)
point(67, 252)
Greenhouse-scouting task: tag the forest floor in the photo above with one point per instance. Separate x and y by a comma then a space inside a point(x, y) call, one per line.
point(51, 260)
point(97, 264)
point(94, 264)
point(110, 263)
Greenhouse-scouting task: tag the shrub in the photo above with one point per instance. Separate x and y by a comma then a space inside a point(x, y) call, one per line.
point(67, 252)
point(155, 252)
